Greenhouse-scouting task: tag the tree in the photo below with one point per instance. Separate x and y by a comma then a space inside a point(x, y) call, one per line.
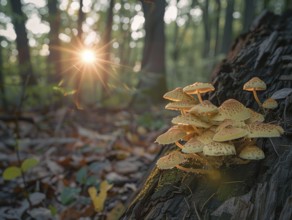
point(107, 46)
point(217, 27)
point(152, 84)
point(258, 190)
point(54, 57)
point(248, 15)
point(81, 18)
point(2, 88)
point(227, 35)
point(24, 59)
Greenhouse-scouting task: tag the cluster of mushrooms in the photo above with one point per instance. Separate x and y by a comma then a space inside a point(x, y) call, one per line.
point(210, 136)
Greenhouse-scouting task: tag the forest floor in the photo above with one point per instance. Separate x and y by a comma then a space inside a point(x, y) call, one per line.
point(109, 150)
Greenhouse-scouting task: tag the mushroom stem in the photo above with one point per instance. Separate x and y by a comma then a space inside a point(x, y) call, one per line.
point(199, 96)
point(179, 145)
point(256, 97)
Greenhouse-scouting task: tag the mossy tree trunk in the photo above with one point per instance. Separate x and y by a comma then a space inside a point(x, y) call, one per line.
point(260, 189)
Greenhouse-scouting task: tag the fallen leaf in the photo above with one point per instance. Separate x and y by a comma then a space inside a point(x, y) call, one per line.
point(98, 200)
point(11, 173)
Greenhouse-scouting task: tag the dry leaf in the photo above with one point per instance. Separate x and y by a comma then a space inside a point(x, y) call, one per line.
point(98, 200)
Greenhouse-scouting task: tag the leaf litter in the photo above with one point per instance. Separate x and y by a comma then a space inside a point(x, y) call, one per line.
point(78, 164)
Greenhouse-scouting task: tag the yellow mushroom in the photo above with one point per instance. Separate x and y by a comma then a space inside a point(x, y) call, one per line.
point(179, 95)
point(229, 133)
point(253, 85)
point(219, 149)
point(233, 109)
point(252, 153)
point(198, 88)
point(270, 103)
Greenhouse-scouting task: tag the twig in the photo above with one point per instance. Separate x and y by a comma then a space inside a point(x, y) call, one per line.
point(274, 147)
point(208, 200)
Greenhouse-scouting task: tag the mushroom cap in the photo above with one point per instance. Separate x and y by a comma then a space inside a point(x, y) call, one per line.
point(190, 120)
point(171, 160)
point(229, 133)
point(219, 149)
point(178, 95)
point(198, 87)
point(261, 130)
point(180, 105)
point(255, 83)
point(193, 146)
point(172, 135)
point(218, 118)
point(204, 108)
point(233, 109)
point(252, 153)
point(270, 103)
point(254, 117)
point(230, 122)
point(206, 137)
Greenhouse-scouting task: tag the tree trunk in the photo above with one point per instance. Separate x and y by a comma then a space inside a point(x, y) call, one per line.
point(81, 17)
point(107, 48)
point(152, 84)
point(227, 35)
point(207, 32)
point(217, 27)
point(24, 59)
point(260, 189)
point(54, 58)
point(248, 16)
point(2, 81)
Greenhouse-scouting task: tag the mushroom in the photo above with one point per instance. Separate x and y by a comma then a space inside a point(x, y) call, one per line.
point(252, 153)
point(193, 146)
point(179, 95)
point(254, 117)
point(171, 160)
point(270, 103)
point(229, 133)
point(198, 88)
point(219, 149)
point(190, 120)
point(230, 122)
point(204, 108)
point(172, 135)
point(233, 109)
point(253, 85)
point(175, 158)
point(259, 130)
point(180, 106)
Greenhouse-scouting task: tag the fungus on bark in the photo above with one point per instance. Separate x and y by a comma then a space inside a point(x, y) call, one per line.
point(253, 85)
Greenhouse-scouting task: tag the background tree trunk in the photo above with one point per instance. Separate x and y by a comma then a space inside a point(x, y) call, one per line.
point(227, 35)
point(54, 58)
point(152, 84)
point(260, 189)
point(25, 66)
point(248, 16)
point(107, 48)
point(81, 18)
point(2, 80)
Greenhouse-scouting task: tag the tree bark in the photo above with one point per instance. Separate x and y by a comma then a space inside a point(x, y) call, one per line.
point(54, 58)
point(24, 59)
point(260, 189)
point(2, 80)
point(227, 35)
point(152, 84)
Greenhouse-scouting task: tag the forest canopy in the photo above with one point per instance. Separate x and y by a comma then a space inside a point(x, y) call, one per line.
point(41, 41)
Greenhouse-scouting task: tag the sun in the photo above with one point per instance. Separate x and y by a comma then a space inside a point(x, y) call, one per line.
point(88, 56)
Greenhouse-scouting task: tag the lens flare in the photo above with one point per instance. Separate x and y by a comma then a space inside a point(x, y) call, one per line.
point(88, 56)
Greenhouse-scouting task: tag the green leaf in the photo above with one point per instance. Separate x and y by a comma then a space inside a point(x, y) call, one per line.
point(69, 194)
point(81, 175)
point(11, 173)
point(29, 164)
